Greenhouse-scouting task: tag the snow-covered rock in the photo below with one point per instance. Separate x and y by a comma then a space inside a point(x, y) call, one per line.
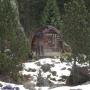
point(49, 72)
point(78, 75)
point(52, 70)
point(11, 86)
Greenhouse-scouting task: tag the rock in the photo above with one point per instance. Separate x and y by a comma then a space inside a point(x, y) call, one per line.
point(27, 78)
point(79, 75)
point(69, 69)
point(16, 88)
point(63, 68)
point(64, 77)
point(31, 70)
point(54, 73)
point(68, 64)
point(42, 81)
point(38, 63)
point(1, 85)
point(7, 87)
point(27, 82)
point(45, 67)
point(29, 85)
point(53, 79)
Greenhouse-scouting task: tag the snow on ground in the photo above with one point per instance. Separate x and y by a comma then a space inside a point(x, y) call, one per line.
point(85, 86)
point(42, 88)
point(56, 69)
point(79, 87)
point(11, 86)
point(29, 69)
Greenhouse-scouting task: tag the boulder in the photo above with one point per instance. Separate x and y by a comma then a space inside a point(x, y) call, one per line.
point(46, 67)
point(42, 81)
point(27, 82)
point(54, 73)
point(1, 85)
point(7, 87)
point(29, 85)
point(78, 76)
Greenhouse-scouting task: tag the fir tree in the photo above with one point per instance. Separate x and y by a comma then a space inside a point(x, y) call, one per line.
point(11, 30)
point(51, 15)
point(30, 13)
point(76, 23)
point(13, 42)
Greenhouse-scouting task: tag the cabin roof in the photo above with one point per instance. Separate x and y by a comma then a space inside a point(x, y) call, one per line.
point(46, 29)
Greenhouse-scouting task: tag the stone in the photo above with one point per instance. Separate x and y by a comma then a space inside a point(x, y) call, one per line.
point(54, 73)
point(1, 85)
point(42, 81)
point(8, 87)
point(31, 70)
point(29, 85)
point(79, 75)
point(16, 88)
point(63, 68)
point(45, 67)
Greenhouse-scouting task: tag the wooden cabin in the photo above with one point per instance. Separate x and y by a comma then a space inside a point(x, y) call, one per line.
point(47, 41)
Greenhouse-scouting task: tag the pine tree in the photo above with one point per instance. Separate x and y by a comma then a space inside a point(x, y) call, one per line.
point(21, 43)
point(77, 28)
point(30, 12)
point(13, 42)
point(51, 15)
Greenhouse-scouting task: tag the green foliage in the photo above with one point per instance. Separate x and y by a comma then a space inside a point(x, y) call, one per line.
point(76, 23)
point(30, 12)
point(19, 46)
point(87, 4)
point(51, 15)
point(8, 64)
point(12, 38)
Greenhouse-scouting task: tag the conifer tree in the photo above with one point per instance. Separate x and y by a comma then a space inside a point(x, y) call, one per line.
point(77, 26)
point(13, 42)
point(51, 15)
point(11, 29)
point(30, 13)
